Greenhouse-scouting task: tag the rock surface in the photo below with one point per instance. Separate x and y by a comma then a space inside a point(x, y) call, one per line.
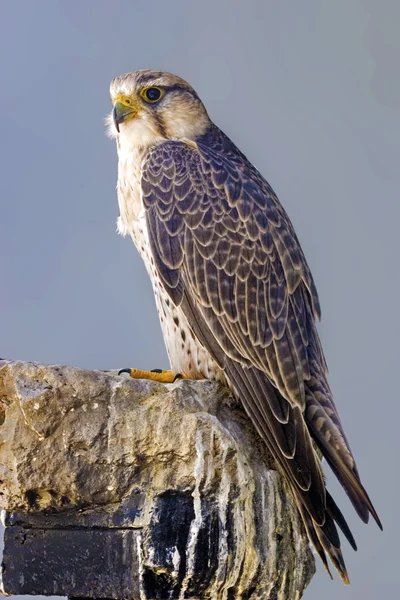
point(120, 488)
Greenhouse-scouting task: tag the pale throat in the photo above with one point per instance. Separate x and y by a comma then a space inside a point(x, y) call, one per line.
point(136, 134)
point(142, 133)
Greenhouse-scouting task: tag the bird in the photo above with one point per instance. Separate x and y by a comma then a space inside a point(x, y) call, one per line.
point(235, 296)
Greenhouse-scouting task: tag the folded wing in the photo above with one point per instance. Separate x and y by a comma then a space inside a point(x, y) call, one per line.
point(227, 253)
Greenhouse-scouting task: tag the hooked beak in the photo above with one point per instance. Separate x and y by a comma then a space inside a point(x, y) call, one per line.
point(124, 110)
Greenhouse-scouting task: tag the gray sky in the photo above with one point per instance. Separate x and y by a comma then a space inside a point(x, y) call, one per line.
point(310, 91)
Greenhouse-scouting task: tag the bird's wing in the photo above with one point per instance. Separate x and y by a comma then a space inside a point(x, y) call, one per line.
point(227, 253)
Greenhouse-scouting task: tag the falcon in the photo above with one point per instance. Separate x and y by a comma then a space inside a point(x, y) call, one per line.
point(235, 296)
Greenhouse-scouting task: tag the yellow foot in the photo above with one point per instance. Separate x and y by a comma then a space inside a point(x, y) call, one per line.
point(155, 375)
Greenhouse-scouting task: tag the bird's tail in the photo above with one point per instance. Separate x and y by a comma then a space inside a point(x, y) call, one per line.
point(325, 538)
point(327, 432)
point(288, 435)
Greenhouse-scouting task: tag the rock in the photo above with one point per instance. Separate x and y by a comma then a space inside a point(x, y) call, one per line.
point(121, 488)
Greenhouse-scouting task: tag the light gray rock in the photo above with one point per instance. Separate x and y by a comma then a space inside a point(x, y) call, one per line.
point(97, 458)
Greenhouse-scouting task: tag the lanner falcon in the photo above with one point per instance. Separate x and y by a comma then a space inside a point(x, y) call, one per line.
point(234, 293)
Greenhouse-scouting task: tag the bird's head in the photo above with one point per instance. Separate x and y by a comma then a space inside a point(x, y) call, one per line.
point(152, 106)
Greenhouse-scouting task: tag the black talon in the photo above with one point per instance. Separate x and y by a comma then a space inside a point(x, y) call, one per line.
point(124, 371)
point(177, 376)
point(156, 371)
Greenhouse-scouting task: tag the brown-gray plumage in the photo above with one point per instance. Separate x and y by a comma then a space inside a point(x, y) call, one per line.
point(233, 285)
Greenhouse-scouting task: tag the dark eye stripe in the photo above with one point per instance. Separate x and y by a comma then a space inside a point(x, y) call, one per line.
point(178, 87)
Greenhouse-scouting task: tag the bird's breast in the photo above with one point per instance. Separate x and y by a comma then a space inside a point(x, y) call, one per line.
point(186, 354)
point(129, 190)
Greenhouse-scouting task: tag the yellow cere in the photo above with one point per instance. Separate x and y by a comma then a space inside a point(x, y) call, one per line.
point(125, 101)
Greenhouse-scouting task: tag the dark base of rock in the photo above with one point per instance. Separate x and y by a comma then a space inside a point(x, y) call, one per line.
point(59, 563)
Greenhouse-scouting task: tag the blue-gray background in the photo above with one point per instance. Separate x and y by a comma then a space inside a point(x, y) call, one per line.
point(310, 92)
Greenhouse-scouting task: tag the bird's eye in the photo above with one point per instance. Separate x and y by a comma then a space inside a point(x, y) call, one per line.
point(152, 94)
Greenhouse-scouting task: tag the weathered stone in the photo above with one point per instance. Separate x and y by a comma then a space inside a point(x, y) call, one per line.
point(135, 489)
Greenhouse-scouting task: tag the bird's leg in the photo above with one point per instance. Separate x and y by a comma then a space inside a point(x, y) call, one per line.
point(155, 375)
